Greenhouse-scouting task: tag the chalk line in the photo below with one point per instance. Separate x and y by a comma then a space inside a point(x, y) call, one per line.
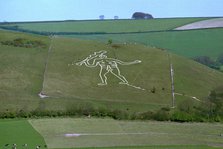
point(193, 97)
point(41, 94)
point(109, 134)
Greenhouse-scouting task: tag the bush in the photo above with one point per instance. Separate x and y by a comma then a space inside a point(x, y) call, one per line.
point(9, 114)
point(118, 115)
point(180, 116)
point(153, 90)
point(86, 110)
point(23, 114)
point(162, 115)
point(110, 41)
point(144, 116)
point(187, 106)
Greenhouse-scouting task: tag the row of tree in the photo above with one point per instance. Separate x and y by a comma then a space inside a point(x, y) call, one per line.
point(205, 60)
point(22, 42)
point(136, 15)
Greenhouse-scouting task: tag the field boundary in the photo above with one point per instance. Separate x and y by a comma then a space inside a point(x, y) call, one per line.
point(45, 33)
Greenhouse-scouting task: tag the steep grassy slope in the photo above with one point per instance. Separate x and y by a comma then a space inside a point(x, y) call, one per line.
point(64, 80)
point(107, 26)
point(79, 83)
point(71, 85)
point(21, 72)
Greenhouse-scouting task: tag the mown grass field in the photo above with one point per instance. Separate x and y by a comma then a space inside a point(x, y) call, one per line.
point(19, 132)
point(155, 147)
point(111, 133)
point(107, 26)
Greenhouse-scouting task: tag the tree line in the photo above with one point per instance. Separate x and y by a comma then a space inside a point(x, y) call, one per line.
point(215, 64)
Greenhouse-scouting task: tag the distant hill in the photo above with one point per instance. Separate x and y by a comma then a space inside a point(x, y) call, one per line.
point(156, 32)
point(102, 27)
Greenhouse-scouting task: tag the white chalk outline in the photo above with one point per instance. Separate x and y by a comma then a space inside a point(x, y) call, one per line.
point(107, 65)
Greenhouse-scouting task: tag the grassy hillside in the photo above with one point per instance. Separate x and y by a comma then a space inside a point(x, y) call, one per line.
point(64, 80)
point(19, 132)
point(109, 133)
point(71, 85)
point(79, 83)
point(107, 26)
point(32, 63)
point(21, 72)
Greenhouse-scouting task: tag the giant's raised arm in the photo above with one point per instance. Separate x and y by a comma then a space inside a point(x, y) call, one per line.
point(82, 62)
point(125, 63)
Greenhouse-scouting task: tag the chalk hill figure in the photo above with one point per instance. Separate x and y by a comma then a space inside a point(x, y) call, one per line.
point(107, 65)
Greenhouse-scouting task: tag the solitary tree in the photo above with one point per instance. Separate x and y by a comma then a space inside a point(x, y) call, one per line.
point(101, 17)
point(110, 41)
point(141, 15)
point(116, 17)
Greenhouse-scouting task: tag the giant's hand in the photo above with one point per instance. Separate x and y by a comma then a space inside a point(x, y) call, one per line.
point(137, 61)
point(79, 63)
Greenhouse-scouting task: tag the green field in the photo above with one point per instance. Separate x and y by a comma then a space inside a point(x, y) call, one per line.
point(107, 26)
point(156, 147)
point(192, 43)
point(19, 132)
point(108, 133)
point(155, 32)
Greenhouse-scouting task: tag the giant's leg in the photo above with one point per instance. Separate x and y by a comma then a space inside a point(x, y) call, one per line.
point(102, 75)
point(115, 71)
